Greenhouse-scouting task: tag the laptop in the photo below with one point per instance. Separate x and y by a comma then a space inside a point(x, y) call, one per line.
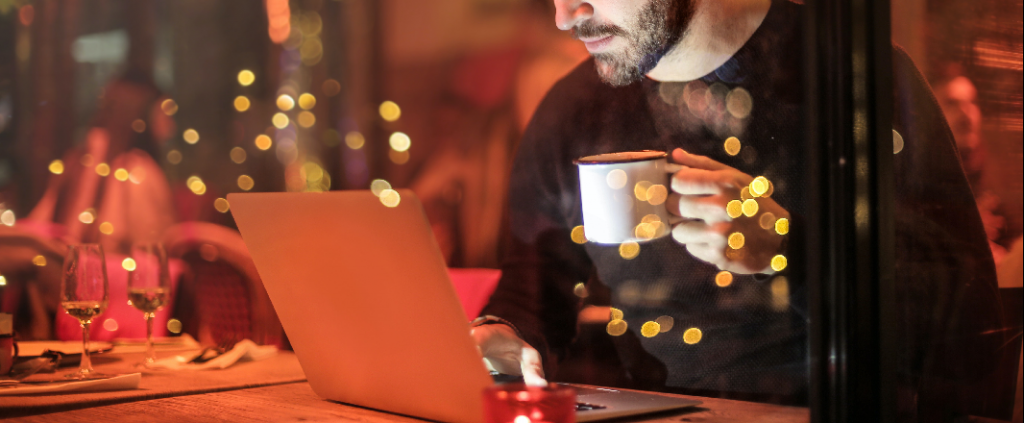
point(363, 293)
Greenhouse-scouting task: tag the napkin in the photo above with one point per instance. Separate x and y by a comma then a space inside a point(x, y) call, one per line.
point(246, 350)
point(116, 383)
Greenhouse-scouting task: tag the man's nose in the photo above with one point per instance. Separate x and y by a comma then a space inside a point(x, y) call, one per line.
point(568, 13)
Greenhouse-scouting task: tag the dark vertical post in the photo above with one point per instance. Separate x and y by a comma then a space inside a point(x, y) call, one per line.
point(850, 230)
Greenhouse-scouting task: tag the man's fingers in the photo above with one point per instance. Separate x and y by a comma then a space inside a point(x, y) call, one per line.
point(533, 371)
point(690, 181)
point(692, 160)
point(706, 253)
point(693, 232)
point(710, 209)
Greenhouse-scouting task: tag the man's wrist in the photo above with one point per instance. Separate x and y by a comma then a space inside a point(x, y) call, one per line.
point(495, 320)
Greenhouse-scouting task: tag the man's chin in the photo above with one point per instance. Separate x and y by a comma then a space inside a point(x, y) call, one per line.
point(616, 72)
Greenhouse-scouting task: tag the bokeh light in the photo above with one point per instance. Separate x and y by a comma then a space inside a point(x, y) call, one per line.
point(578, 235)
point(242, 103)
point(692, 336)
point(759, 186)
point(121, 174)
point(307, 101)
point(331, 88)
point(191, 136)
point(174, 326)
point(56, 167)
point(7, 218)
point(779, 263)
point(87, 217)
point(390, 111)
point(103, 169)
point(666, 323)
point(106, 228)
point(734, 208)
point(629, 250)
point(128, 264)
point(616, 179)
point(739, 103)
point(732, 146)
point(767, 220)
point(615, 314)
point(780, 293)
point(238, 155)
point(196, 185)
point(39, 261)
point(174, 157)
point(617, 327)
point(398, 157)
point(354, 140)
point(378, 186)
point(285, 102)
point(736, 240)
point(245, 182)
point(390, 198)
point(782, 226)
point(246, 77)
point(110, 324)
point(280, 120)
point(169, 107)
point(723, 279)
point(750, 207)
point(580, 290)
point(221, 205)
point(399, 141)
point(657, 194)
point(306, 119)
point(263, 142)
point(650, 329)
point(139, 126)
point(640, 190)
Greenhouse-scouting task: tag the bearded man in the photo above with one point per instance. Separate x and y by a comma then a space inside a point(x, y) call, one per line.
point(718, 84)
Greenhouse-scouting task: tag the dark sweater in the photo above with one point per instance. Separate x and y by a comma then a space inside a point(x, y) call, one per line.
point(754, 330)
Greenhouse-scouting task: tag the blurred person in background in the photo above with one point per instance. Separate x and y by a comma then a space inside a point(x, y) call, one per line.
point(959, 100)
point(683, 76)
point(112, 191)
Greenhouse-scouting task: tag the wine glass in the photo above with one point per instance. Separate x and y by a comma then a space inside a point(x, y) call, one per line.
point(83, 290)
point(149, 285)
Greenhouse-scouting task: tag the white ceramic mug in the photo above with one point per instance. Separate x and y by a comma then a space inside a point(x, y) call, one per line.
point(624, 195)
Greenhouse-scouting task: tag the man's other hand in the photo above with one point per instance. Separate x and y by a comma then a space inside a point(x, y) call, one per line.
point(504, 352)
point(702, 190)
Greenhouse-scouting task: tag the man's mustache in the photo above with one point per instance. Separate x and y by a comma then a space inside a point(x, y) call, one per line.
point(590, 30)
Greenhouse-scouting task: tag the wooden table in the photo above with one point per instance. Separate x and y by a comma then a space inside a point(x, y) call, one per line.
point(295, 401)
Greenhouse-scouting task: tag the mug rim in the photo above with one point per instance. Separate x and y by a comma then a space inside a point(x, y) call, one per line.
point(600, 158)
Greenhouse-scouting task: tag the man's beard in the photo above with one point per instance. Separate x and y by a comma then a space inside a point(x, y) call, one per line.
point(654, 31)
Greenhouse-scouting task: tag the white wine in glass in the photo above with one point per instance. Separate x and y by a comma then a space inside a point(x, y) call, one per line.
point(149, 285)
point(83, 289)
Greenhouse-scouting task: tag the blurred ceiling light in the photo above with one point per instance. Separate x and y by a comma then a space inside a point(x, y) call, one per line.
point(245, 182)
point(246, 77)
point(87, 217)
point(174, 157)
point(103, 169)
point(779, 263)
point(129, 264)
point(285, 102)
point(280, 120)
point(139, 125)
point(399, 141)
point(242, 103)
point(736, 240)
point(331, 88)
point(238, 155)
point(263, 142)
point(106, 228)
point(390, 111)
point(39, 261)
point(306, 119)
point(692, 336)
point(174, 326)
point(629, 250)
point(307, 101)
point(191, 136)
point(56, 167)
point(354, 140)
point(121, 174)
point(650, 329)
point(169, 107)
point(197, 186)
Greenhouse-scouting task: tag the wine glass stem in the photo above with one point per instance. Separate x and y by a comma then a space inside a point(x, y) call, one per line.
point(86, 366)
point(150, 351)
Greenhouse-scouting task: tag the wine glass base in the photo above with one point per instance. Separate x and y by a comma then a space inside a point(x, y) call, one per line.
point(87, 376)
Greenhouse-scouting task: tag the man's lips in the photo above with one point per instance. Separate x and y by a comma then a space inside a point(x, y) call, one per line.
point(596, 44)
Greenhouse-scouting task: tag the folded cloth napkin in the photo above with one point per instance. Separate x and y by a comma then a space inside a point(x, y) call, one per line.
point(243, 351)
point(116, 383)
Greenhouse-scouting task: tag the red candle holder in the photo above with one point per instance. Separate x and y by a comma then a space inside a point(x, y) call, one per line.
point(518, 403)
